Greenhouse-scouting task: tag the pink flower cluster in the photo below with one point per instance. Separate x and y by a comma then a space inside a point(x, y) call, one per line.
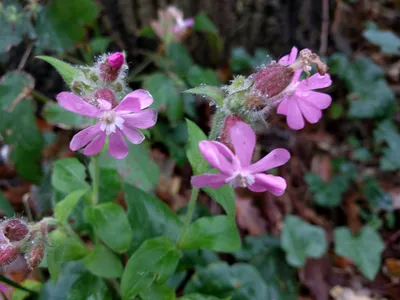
point(300, 101)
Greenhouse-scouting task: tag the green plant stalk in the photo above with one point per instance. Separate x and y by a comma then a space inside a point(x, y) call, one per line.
point(218, 118)
point(95, 180)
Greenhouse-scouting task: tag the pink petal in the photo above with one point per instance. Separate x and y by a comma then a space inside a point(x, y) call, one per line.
point(310, 112)
point(243, 140)
point(133, 135)
point(143, 119)
point(294, 117)
point(104, 104)
point(290, 58)
point(316, 99)
point(224, 150)
point(218, 160)
point(296, 76)
point(82, 138)
point(283, 107)
point(117, 146)
point(276, 185)
point(211, 180)
point(316, 81)
point(75, 104)
point(142, 97)
point(275, 158)
point(96, 145)
point(128, 105)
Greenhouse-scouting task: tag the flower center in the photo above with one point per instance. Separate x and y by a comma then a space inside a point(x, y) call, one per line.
point(240, 179)
point(110, 121)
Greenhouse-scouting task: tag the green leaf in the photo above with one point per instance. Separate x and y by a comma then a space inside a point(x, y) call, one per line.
point(387, 132)
point(67, 71)
point(99, 45)
point(154, 261)
point(180, 57)
point(110, 183)
point(225, 196)
point(204, 24)
point(14, 25)
point(364, 250)
point(103, 263)
point(195, 135)
point(136, 169)
point(56, 115)
point(13, 86)
point(68, 175)
point(65, 207)
point(199, 297)
point(88, 286)
point(212, 92)
point(30, 284)
point(240, 59)
point(149, 217)
point(376, 197)
point(158, 292)
point(21, 132)
point(239, 281)
point(328, 194)
point(166, 95)
point(301, 240)
point(388, 41)
point(198, 76)
point(255, 245)
point(5, 206)
point(65, 248)
point(111, 225)
point(366, 83)
point(53, 34)
point(218, 233)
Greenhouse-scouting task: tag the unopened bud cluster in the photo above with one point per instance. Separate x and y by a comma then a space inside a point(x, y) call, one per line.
point(17, 237)
point(105, 80)
point(251, 98)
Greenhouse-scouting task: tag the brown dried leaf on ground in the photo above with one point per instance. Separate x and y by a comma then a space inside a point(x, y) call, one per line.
point(343, 293)
point(249, 217)
point(352, 209)
point(314, 276)
point(321, 165)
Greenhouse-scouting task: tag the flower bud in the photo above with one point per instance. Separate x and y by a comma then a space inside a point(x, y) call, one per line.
point(106, 94)
point(8, 253)
point(116, 60)
point(15, 230)
point(273, 79)
point(110, 68)
point(35, 255)
point(229, 122)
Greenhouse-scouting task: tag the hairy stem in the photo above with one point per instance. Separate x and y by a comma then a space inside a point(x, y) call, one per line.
point(95, 180)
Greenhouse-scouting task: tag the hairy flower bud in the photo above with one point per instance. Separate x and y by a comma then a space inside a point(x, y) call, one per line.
point(15, 230)
point(35, 255)
point(110, 68)
point(229, 122)
point(106, 94)
point(273, 79)
point(8, 253)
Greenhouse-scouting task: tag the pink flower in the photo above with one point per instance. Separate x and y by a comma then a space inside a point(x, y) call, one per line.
point(236, 169)
point(300, 101)
point(116, 60)
point(114, 123)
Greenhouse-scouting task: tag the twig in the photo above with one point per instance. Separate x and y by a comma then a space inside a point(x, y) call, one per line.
point(324, 28)
point(40, 97)
point(25, 56)
point(338, 16)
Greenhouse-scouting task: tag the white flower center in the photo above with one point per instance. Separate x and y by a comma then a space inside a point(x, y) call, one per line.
point(240, 179)
point(110, 121)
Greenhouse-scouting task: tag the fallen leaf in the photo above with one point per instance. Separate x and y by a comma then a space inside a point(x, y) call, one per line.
point(249, 217)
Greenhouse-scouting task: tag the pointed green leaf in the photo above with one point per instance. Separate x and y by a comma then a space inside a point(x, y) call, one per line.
point(103, 262)
point(68, 175)
point(67, 71)
point(212, 92)
point(218, 233)
point(65, 207)
point(111, 225)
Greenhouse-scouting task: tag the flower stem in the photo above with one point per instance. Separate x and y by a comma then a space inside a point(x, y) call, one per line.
point(218, 118)
point(189, 214)
point(95, 180)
